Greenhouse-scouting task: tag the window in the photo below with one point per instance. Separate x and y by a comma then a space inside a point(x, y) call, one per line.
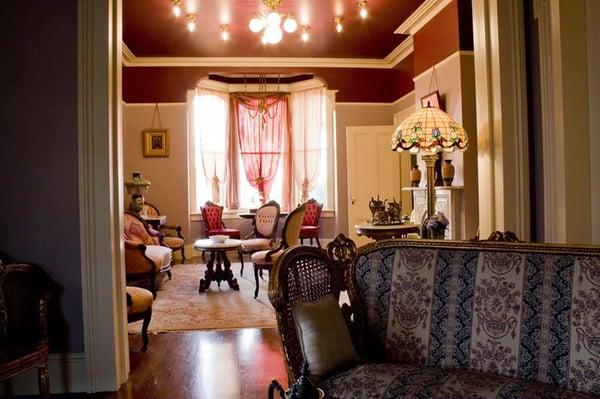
point(209, 140)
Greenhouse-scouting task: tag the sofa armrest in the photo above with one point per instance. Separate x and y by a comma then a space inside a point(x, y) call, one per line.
point(136, 262)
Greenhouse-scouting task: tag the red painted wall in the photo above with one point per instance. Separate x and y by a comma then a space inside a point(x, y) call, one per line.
point(170, 84)
point(449, 31)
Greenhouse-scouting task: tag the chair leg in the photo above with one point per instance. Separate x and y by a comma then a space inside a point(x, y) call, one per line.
point(256, 280)
point(302, 241)
point(318, 243)
point(43, 382)
point(311, 241)
point(145, 324)
point(182, 254)
point(169, 274)
point(241, 255)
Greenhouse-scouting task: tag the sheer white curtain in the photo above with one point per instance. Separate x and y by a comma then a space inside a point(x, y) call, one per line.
point(308, 137)
point(210, 127)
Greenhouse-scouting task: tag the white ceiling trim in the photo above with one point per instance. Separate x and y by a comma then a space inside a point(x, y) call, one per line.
point(403, 50)
point(422, 15)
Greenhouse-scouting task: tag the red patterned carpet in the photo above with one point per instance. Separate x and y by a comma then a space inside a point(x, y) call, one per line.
point(178, 305)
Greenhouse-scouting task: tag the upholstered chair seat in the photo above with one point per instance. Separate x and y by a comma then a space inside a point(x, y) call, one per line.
point(161, 256)
point(139, 307)
point(264, 230)
point(257, 244)
point(173, 242)
point(309, 231)
point(260, 257)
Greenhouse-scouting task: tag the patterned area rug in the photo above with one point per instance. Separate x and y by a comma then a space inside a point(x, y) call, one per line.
point(178, 305)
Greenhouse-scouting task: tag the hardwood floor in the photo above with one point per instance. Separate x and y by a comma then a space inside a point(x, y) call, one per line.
point(224, 364)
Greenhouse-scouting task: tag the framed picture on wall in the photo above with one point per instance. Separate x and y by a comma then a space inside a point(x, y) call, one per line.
point(433, 99)
point(156, 142)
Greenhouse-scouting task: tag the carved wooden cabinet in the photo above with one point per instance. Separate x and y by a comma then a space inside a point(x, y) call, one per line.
point(448, 199)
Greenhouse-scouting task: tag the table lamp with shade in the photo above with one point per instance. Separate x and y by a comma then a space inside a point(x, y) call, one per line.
point(429, 131)
point(136, 186)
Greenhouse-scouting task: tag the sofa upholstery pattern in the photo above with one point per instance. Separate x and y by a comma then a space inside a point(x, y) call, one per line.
point(526, 315)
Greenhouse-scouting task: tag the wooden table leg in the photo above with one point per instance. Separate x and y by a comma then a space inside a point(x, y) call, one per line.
point(209, 275)
point(227, 273)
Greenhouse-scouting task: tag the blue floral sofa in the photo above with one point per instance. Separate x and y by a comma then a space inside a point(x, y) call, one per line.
point(449, 319)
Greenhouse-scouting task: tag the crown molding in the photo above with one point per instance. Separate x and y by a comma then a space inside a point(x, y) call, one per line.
point(403, 50)
point(421, 16)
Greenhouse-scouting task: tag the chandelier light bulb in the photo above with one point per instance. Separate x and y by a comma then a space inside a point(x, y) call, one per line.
point(191, 22)
point(224, 32)
point(274, 34)
point(176, 7)
point(273, 19)
point(305, 35)
point(290, 25)
point(364, 12)
point(338, 24)
point(256, 25)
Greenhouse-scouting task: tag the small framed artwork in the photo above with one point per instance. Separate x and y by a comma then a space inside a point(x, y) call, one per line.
point(433, 99)
point(156, 142)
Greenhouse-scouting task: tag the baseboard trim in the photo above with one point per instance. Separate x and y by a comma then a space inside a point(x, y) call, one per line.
point(66, 371)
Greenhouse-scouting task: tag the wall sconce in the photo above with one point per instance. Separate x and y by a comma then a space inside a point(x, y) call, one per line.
point(338, 24)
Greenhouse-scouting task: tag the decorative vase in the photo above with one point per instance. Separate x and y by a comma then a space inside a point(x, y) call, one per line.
point(437, 234)
point(415, 176)
point(448, 172)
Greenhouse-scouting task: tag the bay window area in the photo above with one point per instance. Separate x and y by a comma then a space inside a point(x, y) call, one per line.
point(248, 148)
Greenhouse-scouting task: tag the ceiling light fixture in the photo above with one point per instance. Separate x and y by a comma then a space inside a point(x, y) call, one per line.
point(305, 35)
point(224, 29)
point(191, 25)
point(270, 24)
point(338, 24)
point(363, 11)
point(176, 7)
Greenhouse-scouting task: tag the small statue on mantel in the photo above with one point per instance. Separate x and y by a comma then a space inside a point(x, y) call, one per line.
point(395, 212)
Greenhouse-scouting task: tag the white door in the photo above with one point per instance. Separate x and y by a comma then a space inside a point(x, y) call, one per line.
point(373, 169)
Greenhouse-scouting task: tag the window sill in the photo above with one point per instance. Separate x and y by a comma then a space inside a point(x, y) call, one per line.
point(233, 215)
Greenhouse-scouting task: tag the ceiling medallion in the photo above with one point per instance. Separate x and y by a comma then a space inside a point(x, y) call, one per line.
point(270, 24)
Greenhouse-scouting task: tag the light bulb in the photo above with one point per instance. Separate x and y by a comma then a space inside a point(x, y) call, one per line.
point(176, 7)
point(305, 35)
point(338, 24)
point(273, 34)
point(256, 25)
point(362, 5)
point(290, 25)
point(273, 19)
point(224, 28)
point(191, 22)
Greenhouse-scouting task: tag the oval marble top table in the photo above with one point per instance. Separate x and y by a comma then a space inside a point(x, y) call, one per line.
point(218, 256)
point(383, 232)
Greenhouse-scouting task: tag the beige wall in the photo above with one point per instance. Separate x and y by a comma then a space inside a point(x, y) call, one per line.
point(169, 176)
point(351, 114)
point(455, 79)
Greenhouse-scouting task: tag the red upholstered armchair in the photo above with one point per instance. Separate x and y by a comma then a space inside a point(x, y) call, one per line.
point(310, 225)
point(212, 214)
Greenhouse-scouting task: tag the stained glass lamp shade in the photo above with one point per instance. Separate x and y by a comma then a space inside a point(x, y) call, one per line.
point(429, 131)
point(136, 186)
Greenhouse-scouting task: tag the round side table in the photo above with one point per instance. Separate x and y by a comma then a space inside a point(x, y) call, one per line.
point(218, 256)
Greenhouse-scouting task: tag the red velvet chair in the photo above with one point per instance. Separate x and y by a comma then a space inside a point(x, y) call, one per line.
point(310, 225)
point(212, 214)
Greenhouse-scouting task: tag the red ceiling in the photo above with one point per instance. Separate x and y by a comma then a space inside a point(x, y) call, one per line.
point(151, 29)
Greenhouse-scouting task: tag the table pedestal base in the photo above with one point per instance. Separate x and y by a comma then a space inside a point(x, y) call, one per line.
point(219, 273)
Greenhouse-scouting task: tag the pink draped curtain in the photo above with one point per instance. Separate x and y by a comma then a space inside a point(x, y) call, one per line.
point(262, 123)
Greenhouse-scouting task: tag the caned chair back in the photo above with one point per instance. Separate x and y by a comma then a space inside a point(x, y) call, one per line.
point(212, 214)
point(313, 213)
point(291, 227)
point(266, 220)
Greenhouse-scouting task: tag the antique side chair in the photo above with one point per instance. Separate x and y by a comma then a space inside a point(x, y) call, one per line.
point(310, 225)
point(264, 231)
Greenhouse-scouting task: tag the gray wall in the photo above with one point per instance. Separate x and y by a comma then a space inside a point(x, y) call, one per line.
point(39, 202)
